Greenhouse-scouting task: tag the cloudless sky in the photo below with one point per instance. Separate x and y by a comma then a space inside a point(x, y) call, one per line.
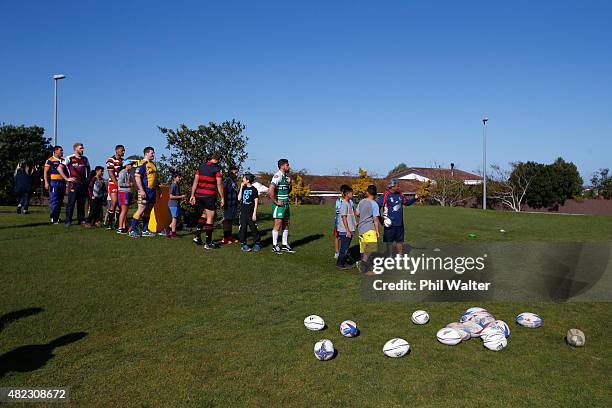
point(332, 85)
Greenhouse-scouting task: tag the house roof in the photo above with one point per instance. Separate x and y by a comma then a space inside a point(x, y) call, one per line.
point(433, 173)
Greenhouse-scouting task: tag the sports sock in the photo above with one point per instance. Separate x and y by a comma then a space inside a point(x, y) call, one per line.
point(111, 217)
point(145, 223)
point(209, 232)
point(274, 237)
point(200, 227)
point(134, 222)
point(286, 237)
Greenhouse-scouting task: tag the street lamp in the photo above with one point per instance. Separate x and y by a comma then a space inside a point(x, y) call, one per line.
point(56, 77)
point(485, 119)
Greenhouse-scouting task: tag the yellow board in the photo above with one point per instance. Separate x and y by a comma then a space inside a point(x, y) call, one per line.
point(160, 215)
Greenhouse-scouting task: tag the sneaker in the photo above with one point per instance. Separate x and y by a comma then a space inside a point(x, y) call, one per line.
point(67, 225)
point(18, 209)
point(210, 246)
point(172, 234)
point(24, 211)
point(133, 234)
point(109, 227)
point(256, 248)
point(287, 248)
point(88, 225)
point(336, 255)
point(245, 248)
point(122, 231)
point(277, 249)
point(99, 224)
point(342, 266)
point(198, 241)
point(148, 233)
point(225, 241)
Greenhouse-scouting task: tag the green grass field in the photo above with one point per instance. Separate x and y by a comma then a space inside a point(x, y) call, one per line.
point(159, 322)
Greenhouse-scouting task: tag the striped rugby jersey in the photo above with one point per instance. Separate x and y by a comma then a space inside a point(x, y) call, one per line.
point(53, 164)
point(208, 172)
point(282, 182)
point(114, 165)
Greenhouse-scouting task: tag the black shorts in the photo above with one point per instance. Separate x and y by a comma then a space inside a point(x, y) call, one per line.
point(394, 234)
point(206, 203)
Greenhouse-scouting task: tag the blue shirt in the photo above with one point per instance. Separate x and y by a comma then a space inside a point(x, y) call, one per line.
point(393, 207)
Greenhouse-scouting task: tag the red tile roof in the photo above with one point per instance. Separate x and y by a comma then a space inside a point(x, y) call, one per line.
point(433, 173)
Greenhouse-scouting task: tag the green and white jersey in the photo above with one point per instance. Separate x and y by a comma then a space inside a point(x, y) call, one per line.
point(282, 184)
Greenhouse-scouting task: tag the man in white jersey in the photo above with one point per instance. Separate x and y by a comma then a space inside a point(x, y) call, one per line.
point(279, 193)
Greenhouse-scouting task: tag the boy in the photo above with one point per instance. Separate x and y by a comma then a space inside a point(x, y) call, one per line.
point(336, 219)
point(96, 191)
point(248, 196)
point(346, 227)
point(173, 203)
point(368, 214)
point(124, 186)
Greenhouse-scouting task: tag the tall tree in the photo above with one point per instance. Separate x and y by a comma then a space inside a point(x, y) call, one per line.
point(397, 169)
point(510, 186)
point(552, 184)
point(299, 191)
point(448, 191)
point(20, 144)
point(601, 184)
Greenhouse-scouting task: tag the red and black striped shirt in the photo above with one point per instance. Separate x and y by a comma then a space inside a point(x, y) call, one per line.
point(209, 172)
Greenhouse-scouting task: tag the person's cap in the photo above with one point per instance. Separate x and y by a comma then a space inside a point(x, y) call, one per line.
point(128, 162)
point(393, 182)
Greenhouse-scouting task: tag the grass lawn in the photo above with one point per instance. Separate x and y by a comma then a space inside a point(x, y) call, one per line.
point(160, 322)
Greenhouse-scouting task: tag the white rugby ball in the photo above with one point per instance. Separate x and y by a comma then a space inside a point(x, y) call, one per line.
point(387, 221)
point(396, 348)
point(348, 328)
point(501, 325)
point(575, 337)
point(466, 317)
point(494, 339)
point(475, 309)
point(324, 349)
point(314, 322)
point(472, 328)
point(449, 336)
point(484, 319)
point(420, 317)
point(530, 320)
point(465, 334)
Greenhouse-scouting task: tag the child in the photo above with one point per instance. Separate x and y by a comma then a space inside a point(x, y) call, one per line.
point(346, 227)
point(97, 191)
point(336, 219)
point(173, 203)
point(125, 181)
point(248, 196)
point(368, 214)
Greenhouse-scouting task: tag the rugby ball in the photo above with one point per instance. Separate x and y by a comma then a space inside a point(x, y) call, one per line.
point(324, 349)
point(465, 334)
point(396, 348)
point(501, 325)
point(466, 317)
point(575, 338)
point(494, 339)
point(348, 328)
point(530, 320)
point(484, 319)
point(420, 317)
point(475, 309)
point(472, 328)
point(387, 221)
point(449, 336)
point(314, 322)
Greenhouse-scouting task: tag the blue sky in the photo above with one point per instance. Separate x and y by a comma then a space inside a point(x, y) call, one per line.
point(330, 85)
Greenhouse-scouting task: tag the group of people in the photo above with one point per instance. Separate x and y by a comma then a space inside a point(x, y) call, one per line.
point(137, 180)
point(387, 207)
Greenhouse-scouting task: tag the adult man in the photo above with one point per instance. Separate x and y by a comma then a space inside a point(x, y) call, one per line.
point(55, 182)
point(230, 189)
point(279, 193)
point(77, 167)
point(146, 182)
point(114, 165)
point(207, 183)
point(391, 204)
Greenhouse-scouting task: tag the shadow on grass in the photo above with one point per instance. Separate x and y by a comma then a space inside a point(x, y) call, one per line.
point(297, 243)
point(32, 224)
point(34, 356)
point(18, 314)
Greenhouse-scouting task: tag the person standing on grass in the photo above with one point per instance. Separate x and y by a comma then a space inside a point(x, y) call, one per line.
point(346, 227)
point(114, 165)
point(77, 167)
point(174, 203)
point(368, 213)
point(55, 179)
point(23, 186)
point(146, 182)
point(230, 190)
point(279, 193)
point(207, 184)
point(125, 187)
point(249, 200)
point(97, 193)
point(392, 207)
point(336, 220)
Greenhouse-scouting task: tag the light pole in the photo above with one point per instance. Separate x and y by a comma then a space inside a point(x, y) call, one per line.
point(56, 77)
point(485, 119)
